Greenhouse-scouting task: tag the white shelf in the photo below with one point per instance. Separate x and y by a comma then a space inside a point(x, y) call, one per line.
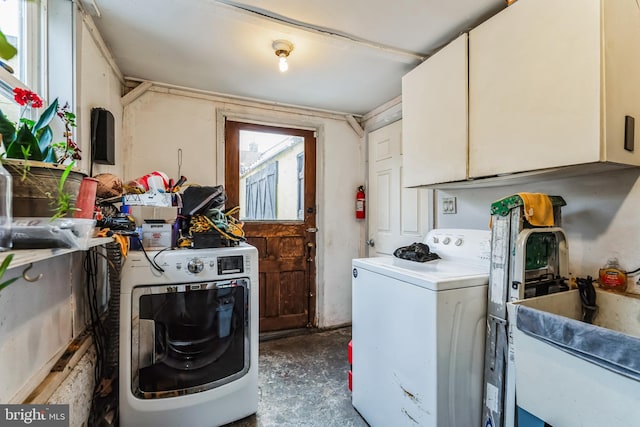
point(27, 256)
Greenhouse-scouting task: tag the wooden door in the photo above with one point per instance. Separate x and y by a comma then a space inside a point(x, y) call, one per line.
point(270, 172)
point(397, 216)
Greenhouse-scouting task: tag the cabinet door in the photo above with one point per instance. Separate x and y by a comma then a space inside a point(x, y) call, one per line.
point(621, 77)
point(434, 116)
point(534, 87)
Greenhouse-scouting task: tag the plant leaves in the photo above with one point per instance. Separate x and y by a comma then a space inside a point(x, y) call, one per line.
point(47, 115)
point(7, 283)
point(7, 50)
point(7, 129)
point(25, 138)
point(65, 175)
point(49, 155)
point(44, 136)
point(3, 267)
point(62, 204)
point(5, 264)
point(28, 122)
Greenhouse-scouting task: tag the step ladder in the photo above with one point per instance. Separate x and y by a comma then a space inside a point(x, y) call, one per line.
point(517, 250)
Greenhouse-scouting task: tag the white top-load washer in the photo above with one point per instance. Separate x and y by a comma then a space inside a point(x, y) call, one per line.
point(419, 333)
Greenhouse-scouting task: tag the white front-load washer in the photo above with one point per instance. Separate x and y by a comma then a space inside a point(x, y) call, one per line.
point(418, 334)
point(188, 337)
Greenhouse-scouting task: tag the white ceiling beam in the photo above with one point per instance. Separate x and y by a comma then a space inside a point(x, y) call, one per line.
point(355, 125)
point(401, 55)
point(97, 38)
point(135, 93)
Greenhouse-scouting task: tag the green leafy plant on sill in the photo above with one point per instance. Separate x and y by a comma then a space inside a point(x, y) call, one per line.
point(33, 140)
point(3, 268)
point(62, 201)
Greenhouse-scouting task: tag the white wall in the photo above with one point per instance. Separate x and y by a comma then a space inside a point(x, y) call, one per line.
point(162, 120)
point(600, 219)
point(38, 320)
point(98, 86)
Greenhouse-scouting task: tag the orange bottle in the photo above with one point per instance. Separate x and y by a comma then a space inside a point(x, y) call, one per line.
point(612, 276)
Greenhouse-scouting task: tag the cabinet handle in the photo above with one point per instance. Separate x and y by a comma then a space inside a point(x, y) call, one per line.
point(629, 131)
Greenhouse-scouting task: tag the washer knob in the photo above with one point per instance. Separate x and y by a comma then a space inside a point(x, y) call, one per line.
point(195, 266)
point(458, 242)
point(446, 241)
point(435, 239)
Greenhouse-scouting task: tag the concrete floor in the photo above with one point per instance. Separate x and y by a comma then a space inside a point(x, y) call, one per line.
point(303, 382)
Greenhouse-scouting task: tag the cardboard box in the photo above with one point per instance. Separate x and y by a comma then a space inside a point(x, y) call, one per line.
point(148, 199)
point(156, 235)
point(142, 213)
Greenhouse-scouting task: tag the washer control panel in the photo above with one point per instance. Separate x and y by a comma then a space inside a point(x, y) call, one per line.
point(209, 265)
point(473, 246)
point(195, 266)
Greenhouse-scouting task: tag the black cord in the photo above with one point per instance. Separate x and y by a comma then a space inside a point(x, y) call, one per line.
point(634, 271)
point(588, 298)
point(151, 261)
point(156, 256)
point(97, 327)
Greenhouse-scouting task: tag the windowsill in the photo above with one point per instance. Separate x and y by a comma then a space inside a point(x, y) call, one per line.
point(10, 79)
point(28, 256)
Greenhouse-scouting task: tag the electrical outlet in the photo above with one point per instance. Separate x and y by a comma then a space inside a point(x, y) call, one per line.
point(449, 205)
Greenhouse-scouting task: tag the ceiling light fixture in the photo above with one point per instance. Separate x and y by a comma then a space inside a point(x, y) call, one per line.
point(282, 48)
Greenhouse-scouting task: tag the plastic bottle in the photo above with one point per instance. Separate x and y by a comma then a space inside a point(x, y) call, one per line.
point(612, 276)
point(6, 190)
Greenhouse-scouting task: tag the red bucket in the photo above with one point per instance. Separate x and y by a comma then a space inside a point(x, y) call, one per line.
point(86, 200)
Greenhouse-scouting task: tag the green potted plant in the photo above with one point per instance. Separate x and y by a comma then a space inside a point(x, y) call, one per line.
point(41, 167)
point(33, 139)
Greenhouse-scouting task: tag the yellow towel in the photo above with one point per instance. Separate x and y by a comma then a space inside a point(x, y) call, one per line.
point(538, 209)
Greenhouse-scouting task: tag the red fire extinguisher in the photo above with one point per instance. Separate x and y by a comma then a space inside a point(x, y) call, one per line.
point(360, 203)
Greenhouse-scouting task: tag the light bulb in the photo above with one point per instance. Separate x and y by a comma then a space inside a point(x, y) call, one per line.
point(283, 65)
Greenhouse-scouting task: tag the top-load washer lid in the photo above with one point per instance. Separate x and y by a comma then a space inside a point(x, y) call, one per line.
point(436, 275)
point(465, 257)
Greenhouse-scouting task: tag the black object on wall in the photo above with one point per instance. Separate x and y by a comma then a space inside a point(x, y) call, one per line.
point(629, 132)
point(102, 136)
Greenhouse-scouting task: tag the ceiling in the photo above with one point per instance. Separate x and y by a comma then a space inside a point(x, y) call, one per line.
point(348, 56)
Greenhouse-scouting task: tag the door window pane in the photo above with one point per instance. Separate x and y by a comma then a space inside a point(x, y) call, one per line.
point(270, 176)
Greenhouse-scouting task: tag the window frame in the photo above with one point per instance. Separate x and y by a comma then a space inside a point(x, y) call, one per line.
point(33, 64)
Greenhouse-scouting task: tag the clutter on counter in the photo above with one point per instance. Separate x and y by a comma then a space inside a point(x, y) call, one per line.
point(156, 212)
point(153, 211)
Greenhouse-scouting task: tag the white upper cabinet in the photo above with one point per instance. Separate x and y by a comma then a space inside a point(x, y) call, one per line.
point(551, 83)
point(434, 117)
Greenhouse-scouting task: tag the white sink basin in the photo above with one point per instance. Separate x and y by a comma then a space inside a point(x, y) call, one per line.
point(569, 373)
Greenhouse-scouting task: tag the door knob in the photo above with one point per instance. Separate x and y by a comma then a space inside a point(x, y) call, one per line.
point(370, 242)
